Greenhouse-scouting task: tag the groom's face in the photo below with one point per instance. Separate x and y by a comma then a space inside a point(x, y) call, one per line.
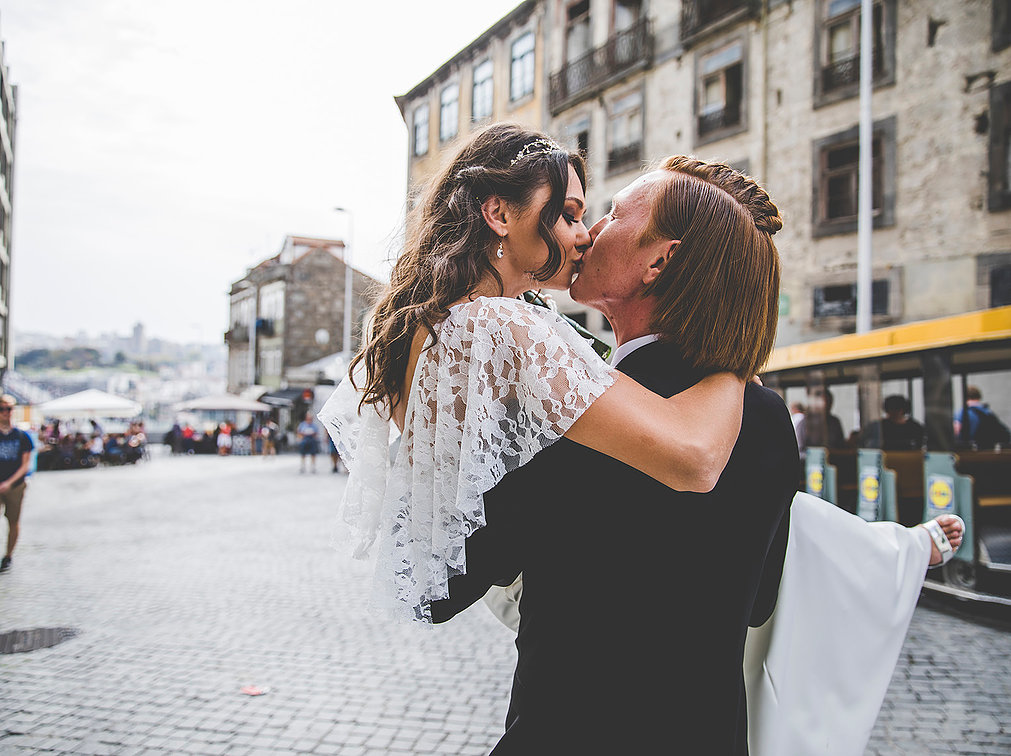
point(614, 268)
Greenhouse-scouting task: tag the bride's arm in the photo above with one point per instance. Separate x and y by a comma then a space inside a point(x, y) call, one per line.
point(684, 442)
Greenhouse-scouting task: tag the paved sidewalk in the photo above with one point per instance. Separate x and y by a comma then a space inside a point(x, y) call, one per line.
point(190, 578)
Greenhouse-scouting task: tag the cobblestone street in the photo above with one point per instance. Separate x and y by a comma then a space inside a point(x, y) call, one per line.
point(189, 578)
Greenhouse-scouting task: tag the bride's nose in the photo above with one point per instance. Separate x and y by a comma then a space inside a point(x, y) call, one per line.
point(583, 239)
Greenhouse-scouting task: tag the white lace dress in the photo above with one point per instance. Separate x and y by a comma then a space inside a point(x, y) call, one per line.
point(504, 380)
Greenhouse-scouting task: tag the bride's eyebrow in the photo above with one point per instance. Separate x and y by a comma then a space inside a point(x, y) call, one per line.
point(577, 201)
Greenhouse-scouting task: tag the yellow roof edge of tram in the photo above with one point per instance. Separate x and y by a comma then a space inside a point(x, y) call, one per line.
point(982, 325)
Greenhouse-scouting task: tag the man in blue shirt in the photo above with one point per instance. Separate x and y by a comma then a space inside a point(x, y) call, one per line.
point(15, 456)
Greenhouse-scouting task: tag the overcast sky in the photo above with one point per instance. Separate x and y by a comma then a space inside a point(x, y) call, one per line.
point(164, 147)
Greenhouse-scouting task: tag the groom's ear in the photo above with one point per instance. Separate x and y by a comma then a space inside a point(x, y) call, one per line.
point(667, 249)
point(494, 210)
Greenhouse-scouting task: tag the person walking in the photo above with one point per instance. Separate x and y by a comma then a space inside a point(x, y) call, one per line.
point(308, 442)
point(15, 457)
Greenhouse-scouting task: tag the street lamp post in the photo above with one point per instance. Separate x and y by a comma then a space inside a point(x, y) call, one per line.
point(348, 276)
point(865, 221)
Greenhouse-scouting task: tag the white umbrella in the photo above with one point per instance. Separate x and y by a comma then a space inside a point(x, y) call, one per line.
point(89, 404)
point(223, 402)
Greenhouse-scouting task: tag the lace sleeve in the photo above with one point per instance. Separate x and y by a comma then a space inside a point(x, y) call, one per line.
point(504, 380)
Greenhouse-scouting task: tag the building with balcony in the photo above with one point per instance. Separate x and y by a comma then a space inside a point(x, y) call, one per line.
point(287, 312)
point(8, 120)
point(771, 87)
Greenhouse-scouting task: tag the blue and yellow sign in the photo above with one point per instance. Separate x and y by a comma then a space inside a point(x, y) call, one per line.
point(941, 493)
point(815, 481)
point(870, 488)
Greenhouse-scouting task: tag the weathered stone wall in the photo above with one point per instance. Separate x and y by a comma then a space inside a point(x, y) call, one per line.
point(931, 254)
point(314, 300)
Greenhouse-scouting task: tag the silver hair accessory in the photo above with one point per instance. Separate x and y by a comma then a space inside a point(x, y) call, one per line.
point(500, 253)
point(539, 146)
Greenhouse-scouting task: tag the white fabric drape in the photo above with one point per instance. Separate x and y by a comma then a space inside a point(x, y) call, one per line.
point(818, 670)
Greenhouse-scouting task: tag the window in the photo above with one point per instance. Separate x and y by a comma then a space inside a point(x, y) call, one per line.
point(625, 133)
point(840, 300)
point(521, 79)
point(993, 279)
point(836, 171)
point(1000, 286)
point(420, 121)
point(577, 30)
point(449, 112)
point(720, 88)
point(1001, 24)
point(626, 14)
point(837, 43)
point(484, 91)
point(840, 180)
point(1000, 148)
point(577, 134)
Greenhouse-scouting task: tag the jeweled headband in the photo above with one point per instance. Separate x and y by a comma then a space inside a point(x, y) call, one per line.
point(539, 146)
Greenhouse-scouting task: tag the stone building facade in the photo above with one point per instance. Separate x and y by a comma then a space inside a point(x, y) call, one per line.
point(288, 312)
point(770, 87)
point(8, 119)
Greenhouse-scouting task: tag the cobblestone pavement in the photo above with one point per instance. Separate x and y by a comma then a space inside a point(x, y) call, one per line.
point(190, 578)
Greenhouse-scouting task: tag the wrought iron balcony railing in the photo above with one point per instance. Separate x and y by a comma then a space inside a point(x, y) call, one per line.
point(582, 77)
point(626, 157)
point(698, 15)
point(847, 71)
point(716, 120)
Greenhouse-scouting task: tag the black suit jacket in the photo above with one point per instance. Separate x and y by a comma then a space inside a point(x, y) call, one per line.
point(636, 598)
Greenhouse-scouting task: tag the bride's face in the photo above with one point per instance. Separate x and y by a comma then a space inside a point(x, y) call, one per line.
point(525, 251)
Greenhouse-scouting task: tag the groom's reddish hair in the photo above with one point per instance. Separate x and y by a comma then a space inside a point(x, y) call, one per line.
point(717, 297)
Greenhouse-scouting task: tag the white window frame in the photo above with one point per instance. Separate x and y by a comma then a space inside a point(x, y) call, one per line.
point(419, 127)
point(449, 112)
point(522, 67)
point(483, 93)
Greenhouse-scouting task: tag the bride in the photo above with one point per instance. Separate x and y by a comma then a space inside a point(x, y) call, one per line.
point(478, 382)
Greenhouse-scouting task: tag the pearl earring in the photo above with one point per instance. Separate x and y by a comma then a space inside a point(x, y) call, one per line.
point(500, 253)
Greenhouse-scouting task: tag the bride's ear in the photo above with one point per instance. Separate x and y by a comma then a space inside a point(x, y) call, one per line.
point(494, 211)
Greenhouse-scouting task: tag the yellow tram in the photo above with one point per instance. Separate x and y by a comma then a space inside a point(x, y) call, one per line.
point(857, 455)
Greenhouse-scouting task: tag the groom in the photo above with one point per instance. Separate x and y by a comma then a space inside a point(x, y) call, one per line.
point(636, 598)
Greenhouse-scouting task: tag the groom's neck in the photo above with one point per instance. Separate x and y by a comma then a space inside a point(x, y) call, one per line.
point(630, 320)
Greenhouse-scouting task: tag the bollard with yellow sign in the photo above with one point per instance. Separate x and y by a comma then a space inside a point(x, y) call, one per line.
point(820, 475)
point(945, 491)
point(876, 489)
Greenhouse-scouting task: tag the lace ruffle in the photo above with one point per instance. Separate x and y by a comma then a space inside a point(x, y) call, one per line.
point(505, 380)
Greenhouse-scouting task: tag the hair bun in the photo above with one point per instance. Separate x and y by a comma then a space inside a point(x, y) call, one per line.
point(769, 222)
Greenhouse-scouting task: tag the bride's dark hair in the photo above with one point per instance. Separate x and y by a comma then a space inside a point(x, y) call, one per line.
point(449, 244)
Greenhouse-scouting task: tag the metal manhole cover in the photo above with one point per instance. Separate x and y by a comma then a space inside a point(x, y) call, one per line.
point(19, 641)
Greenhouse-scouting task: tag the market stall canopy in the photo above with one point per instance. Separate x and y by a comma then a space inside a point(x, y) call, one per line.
point(222, 402)
point(91, 403)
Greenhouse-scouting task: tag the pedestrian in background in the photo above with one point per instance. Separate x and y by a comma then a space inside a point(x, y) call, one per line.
point(308, 441)
point(224, 440)
point(15, 457)
point(896, 431)
point(976, 425)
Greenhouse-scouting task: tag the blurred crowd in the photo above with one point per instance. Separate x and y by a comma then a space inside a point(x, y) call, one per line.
point(64, 449)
